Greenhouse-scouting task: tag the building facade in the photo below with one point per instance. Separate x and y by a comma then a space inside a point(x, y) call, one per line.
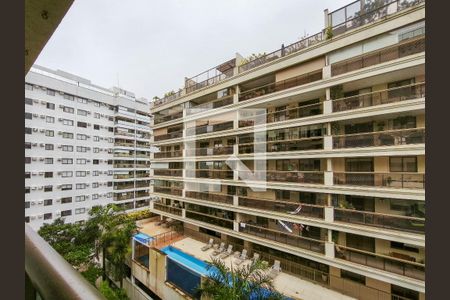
point(84, 146)
point(313, 154)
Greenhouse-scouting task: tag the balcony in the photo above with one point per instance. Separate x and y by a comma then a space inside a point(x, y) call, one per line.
point(212, 197)
point(393, 95)
point(142, 175)
point(167, 208)
point(124, 186)
point(118, 197)
point(168, 136)
point(124, 144)
point(168, 190)
point(210, 174)
point(314, 177)
point(141, 194)
point(280, 85)
point(302, 144)
point(209, 128)
point(409, 47)
point(224, 150)
point(382, 262)
point(161, 119)
point(379, 139)
point(285, 207)
point(169, 154)
point(168, 172)
point(210, 219)
point(284, 238)
point(169, 98)
point(227, 100)
point(211, 76)
point(403, 223)
point(390, 180)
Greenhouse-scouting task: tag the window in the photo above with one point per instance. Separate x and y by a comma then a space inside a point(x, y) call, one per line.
point(48, 188)
point(82, 100)
point(50, 105)
point(82, 149)
point(95, 161)
point(68, 109)
point(49, 160)
point(96, 127)
point(28, 116)
point(110, 129)
point(109, 195)
point(28, 160)
point(96, 150)
point(353, 276)
point(48, 202)
point(49, 147)
point(49, 119)
point(95, 185)
point(94, 196)
point(111, 140)
point(27, 190)
point(66, 187)
point(403, 164)
point(67, 148)
point(81, 161)
point(67, 135)
point(67, 161)
point(49, 133)
point(359, 164)
point(27, 219)
point(96, 138)
point(82, 124)
point(97, 104)
point(402, 246)
point(95, 173)
point(67, 122)
point(27, 145)
point(81, 136)
point(47, 216)
point(81, 173)
point(28, 130)
point(66, 173)
point(80, 198)
point(97, 115)
point(82, 112)
point(27, 204)
point(28, 101)
point(404, 122)
point(48, 174)
point(66, 200)
point(81, 186)
point(27, 175)
point(28, 86)
point(80, 210)
point(66, 213)
point(69, 97)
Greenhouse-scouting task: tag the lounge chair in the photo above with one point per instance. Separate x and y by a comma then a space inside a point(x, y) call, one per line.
point(208, 245)
point(255, 257)
point(220, 250)
point(239, 260)
point(226, 253)
point(275, 269)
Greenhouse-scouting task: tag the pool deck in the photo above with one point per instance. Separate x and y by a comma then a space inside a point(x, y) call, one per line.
point(152, 230)
point(289, 285)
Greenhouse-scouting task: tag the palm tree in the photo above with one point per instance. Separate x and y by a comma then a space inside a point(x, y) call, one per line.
point(246, 282)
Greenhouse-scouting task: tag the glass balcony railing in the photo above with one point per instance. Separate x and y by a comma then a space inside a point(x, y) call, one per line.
point(382, 262)
point(168, 136)
point(174, 116)
point(168, 172)
point(301, 144)
point(315, 177)
point(224, 150)
point(379, 139)
point(285, 207)
point(167, 208)
point(280, 85)
point(209, 128)
point(409, 47)
point(391, 180)
point(211, 174)
point(169, 154)
point(403, 93)
point(168, 190)
point(210, 219)
point(285, 238)
point(213, 197)
point(227, 100)
point(403, 223)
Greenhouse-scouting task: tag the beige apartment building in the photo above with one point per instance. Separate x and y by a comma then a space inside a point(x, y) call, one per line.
point(312, 155)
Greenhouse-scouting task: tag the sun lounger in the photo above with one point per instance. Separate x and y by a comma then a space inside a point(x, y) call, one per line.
point(255, 257)
point(275, 269)
point(220, 250)
point(208, 245)
point(226, 253)
point(239, 260)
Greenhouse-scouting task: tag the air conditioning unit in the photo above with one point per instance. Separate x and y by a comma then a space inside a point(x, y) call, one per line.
point(36, 101)
point(60, 119)
point(88, 160)
point(34, 188)
point(42, 117)
point(60, 172)
point(58, 213)
point(43, 88)
point(61, 106)
point(35, 144)
point(61, 93)
point(59, 159)
point(41, 187)
point(58, 200)
point(40, 202)
point(35, 115)
point(60, 133)
point(32, 217)
point(42, 130)
point(43, 102)
point(35, 129)
point(89, 125)
point(33, 203)
point(60, 146)
point(41, 173)
point(42, 144)
point(41, 159)
point(40, 216)
point(34, 159)
point(34, 173)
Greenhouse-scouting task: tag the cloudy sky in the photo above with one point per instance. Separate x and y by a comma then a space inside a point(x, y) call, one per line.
point(149, 46)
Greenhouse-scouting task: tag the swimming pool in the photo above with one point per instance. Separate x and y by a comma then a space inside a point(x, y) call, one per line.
point(194, 264)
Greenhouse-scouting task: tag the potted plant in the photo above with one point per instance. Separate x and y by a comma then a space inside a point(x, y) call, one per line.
point(328, 33)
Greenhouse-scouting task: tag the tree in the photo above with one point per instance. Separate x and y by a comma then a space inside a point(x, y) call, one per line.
point(246, 282)
point(112, 294)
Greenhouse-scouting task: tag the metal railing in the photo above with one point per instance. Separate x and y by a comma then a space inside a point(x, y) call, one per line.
point(168, 190)
point(209, 128)
point(168, 98)
point(391, 180)
point(210, 105)
point(285, 238)
point(312, 143)
point(381, 138)
point(286, 207)
point(210, 173)
point(210, 151)
point(167, 136)
point(161, 119)
point(166, 208)
point(397, 94)
point(213, 197)
point(169, 154)
point(280, 85)
point(168, 172)
point(316, 177)
point(49, 275)
point(210, 219)
point(404, 223)
point(383, 262)
point(379, 56)
point(203, 79)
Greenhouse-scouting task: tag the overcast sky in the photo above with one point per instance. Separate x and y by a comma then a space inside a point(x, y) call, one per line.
point(149, 46)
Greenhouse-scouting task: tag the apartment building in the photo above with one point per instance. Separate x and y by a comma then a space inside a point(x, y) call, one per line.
point(85, 145)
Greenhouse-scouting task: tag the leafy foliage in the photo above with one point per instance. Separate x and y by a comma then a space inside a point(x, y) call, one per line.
point(111, 293)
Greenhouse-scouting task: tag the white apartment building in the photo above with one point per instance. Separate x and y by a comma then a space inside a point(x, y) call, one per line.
point(85, 145)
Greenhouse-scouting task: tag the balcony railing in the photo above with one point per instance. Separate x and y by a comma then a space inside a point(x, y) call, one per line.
point(174, 116)
point(379, 56)
point(123, 197)
point(383, 262)
point(404, 223)
point(213, 197)
point(168, 172)
point(381, 138)
point(210, 173)
point(168, 190)
point(285, 238)
point(168, 98)
point(210, 105)
point(209, 128)
point(167, 209)
point(206, 218)
point(408, 92)
point(123, 186)
point(286, 207)
point(210, 77)
point(172, 135)
point(284, 176)
point(280, 85)
point(49, 276)
point(169, 154)
point(142, 175)
point(301, 144)
point(210, 151)
point(391, 180)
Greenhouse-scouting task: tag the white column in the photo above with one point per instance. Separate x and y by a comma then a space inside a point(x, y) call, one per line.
point(328, 142)
point(329, 214)
point(235, 200)
point(183, 213)
point(328, 174)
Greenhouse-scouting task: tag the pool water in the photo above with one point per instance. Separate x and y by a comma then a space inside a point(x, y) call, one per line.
point(186, 260)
